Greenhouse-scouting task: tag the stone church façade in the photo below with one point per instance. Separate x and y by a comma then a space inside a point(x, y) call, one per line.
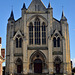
point(37, 42)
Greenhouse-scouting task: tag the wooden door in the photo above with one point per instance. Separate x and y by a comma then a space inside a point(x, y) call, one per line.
point(57, 68)
point(18, 68)
point(38, 66)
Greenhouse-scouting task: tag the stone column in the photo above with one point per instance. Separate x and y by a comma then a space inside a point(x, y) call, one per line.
point(64, 56)
point(64, 47)
point(50, 56)
point(25, 68)
point(11, 67)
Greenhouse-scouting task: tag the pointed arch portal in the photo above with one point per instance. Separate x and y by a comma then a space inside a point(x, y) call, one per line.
point(38, 62)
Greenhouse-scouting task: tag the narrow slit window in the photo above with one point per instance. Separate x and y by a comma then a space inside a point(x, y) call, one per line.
point(16, 42)
point(54, 42)
point(58, 42)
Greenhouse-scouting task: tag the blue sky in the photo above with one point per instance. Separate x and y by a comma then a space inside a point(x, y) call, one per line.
point(69, 10)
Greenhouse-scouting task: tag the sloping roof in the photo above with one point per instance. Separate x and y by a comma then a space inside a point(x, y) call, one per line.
point(36, 3)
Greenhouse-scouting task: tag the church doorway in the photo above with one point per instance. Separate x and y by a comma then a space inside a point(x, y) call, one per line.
point(38, 66)
point(38, 63)
point(57, 65)
point(19, 65)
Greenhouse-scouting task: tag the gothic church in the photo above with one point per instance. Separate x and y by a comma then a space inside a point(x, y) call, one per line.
point(37, 43)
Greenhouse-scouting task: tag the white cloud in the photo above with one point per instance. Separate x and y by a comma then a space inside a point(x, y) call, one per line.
point(73, 61)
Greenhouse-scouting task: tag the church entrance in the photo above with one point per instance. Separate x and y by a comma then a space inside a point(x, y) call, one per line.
point(57, 65)
point(37, 66)
point(38, 63)
point(19, 65)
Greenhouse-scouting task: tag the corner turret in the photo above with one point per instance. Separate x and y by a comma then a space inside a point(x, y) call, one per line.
point(11, 23)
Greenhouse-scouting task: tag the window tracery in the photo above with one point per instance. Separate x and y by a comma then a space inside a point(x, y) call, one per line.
point(43, 33)
point(18, 42)
point(31, 33)
point(56, 42)
point(37, 33)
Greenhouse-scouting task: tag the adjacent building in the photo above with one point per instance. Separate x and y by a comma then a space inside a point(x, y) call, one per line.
point(37, 43)
point(2, 53)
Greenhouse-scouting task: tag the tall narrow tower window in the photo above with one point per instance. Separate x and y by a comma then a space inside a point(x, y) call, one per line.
point(43, 33)
point(35, 7)
point(58, 42)
point(16, 42)
point(37, 31)
point(31, 33)
point(38, 8)
point(54, 42)
point(20, 42)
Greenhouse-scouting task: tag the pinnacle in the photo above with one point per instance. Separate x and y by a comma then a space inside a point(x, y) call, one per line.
point(11, 16)
point(24, 6)
point(49, 5)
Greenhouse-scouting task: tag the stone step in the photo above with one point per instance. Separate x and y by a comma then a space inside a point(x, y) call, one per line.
point(32, 74)
point(38, 74)
point(58, 74)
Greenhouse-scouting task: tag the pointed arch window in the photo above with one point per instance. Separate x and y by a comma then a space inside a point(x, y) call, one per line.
point(31, 33)
point(58, 42)
point(20, 42)
point(37, 31)
point(43, 33)
point(54, 42)
point(16, 42)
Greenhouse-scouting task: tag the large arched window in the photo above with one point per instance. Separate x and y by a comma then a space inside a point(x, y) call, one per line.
point(43, 33)
point(37, 31)
point(31, 33)
point(58, 42)
point(54, 42)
